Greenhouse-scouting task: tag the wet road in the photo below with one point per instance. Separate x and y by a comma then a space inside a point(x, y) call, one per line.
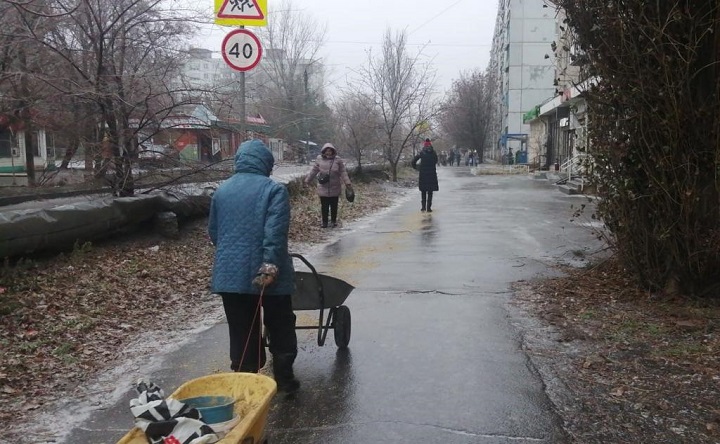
point(434, 356)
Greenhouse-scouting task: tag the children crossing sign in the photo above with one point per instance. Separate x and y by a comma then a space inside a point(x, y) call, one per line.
point(241, 12)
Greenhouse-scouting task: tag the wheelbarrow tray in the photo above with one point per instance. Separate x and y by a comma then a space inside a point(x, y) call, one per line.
point(252, 393)
point(313, 295)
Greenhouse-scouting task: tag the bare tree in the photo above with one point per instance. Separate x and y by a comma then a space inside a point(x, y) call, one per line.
point(36, 83)
point(289, 76)
point(358, 125)
point(22, 56)
point(467, 113)
point(119, 60)
point(401, 87)
point(653, 108)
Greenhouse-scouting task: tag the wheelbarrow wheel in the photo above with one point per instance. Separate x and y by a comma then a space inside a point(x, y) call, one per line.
point(342, 326)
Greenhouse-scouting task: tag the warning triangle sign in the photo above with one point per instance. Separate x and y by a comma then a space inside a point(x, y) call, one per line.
point(240, 9)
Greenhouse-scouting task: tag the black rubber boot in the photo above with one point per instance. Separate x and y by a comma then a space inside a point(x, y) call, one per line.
point(429, 202)
point(284, 375)
point(422, 200)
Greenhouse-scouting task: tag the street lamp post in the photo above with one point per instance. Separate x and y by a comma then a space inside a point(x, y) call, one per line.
point(307, 138)
point(307, 147)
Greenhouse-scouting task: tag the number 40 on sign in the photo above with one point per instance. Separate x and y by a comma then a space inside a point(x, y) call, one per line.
point(241, 50)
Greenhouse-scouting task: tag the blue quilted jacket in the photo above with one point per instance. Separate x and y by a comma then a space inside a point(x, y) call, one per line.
point(249, 222)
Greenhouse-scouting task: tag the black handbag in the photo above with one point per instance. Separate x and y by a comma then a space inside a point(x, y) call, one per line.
point(323, 177)
point(349, 194)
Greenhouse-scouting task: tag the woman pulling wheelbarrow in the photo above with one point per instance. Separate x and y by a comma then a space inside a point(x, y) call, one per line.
point(249, 223)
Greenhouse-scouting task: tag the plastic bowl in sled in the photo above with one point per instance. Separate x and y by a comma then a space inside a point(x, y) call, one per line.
point(214, 409)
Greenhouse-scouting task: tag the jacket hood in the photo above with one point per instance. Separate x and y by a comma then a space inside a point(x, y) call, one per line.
point(254, 157)
point(328, 150)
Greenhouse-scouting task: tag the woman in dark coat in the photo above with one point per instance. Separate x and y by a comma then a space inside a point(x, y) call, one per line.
point(428, 181)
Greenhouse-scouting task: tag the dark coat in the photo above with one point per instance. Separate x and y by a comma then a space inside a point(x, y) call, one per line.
point(428, 158)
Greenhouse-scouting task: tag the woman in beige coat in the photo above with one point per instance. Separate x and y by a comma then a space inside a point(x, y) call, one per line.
point(328, 162)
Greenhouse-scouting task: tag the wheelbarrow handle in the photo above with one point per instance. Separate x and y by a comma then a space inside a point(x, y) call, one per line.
point(305, 261)
point(322, 331)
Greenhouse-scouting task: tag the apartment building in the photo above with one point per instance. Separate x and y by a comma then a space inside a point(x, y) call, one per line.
point(207, 75)
point(521, 59)
point(558, 124)
point(207, 78)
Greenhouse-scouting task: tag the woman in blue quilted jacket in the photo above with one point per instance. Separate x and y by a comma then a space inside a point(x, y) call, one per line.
point(248, 224)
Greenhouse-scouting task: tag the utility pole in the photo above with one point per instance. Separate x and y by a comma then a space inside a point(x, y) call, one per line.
point(305, 118)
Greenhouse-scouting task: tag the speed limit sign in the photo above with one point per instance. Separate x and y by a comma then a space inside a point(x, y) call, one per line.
point(241, 50)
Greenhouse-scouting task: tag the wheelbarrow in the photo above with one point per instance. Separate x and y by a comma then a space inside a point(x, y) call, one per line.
point(315, 291)
point(252, 393)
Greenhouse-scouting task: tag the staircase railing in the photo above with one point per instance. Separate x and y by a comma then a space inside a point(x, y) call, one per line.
point(574, 164)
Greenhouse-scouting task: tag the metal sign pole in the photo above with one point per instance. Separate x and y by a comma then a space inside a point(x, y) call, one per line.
point(243, 111)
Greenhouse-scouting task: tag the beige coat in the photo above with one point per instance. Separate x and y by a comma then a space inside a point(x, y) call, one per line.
point(338, 176)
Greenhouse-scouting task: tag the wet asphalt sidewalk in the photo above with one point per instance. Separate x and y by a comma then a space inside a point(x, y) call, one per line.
point(434, 354)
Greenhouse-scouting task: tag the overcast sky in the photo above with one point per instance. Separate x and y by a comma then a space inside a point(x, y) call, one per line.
point(458, 33)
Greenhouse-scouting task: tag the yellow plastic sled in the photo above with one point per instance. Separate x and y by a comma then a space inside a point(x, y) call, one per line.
point(252, 393)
